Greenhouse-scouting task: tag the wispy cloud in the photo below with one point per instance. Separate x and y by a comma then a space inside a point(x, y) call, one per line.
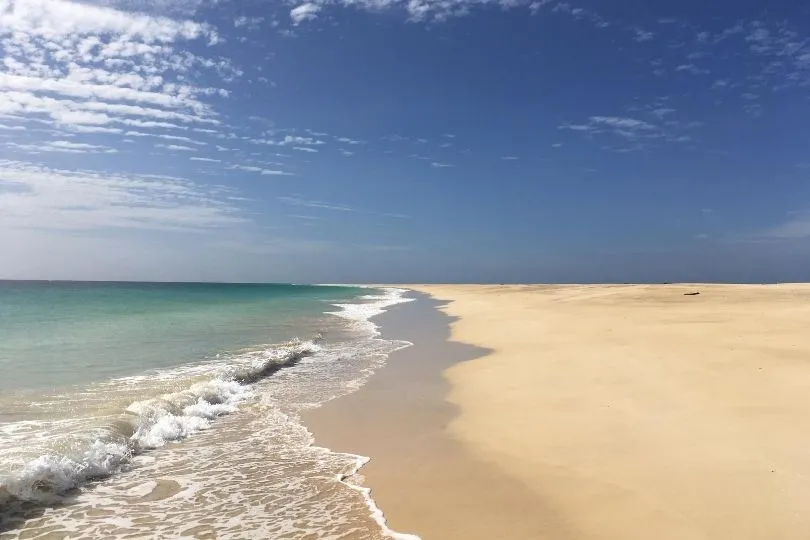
point(63, 146)
point(300, 141)
point(297, 201)
point(98, 69)
point(290, 140)
point(626, 127)
point(441, 165)
point(635, 131)
point(252, 23)
point(348, 140)
point(79, 128)
point(50, 198)
point(179, 147)
point(622, 123)
point(260, 170)
point(691, 69)
point(164, 136)
point(322, 205)
point(304, 12)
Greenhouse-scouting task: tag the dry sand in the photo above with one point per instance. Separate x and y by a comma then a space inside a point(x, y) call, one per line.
point(635, 412)
point(425, 480)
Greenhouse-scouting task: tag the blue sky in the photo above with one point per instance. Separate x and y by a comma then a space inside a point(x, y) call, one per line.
point(382, 140)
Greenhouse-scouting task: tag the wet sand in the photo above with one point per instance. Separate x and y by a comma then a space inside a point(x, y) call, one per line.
point(424, 480)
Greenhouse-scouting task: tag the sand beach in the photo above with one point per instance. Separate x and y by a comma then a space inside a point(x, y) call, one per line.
point(593, 412)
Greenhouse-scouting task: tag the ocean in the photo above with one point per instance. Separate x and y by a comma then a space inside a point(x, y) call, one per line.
point(144, 410)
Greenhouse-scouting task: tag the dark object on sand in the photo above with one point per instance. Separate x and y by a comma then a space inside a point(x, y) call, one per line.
point(691, 293)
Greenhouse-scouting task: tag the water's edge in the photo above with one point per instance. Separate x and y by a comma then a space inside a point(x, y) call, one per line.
point(421, 474)
point(359, 313)
point(407, 395)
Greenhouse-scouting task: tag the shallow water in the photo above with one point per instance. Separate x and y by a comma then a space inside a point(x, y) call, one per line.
point(208, 448)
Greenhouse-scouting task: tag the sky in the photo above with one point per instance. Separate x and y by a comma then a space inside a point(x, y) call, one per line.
point(405, 141)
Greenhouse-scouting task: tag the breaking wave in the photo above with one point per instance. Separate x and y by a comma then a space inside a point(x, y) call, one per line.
point(146, 425)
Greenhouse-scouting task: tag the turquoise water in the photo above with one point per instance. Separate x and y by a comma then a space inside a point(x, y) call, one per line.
point(142, 410)
point(59, 333)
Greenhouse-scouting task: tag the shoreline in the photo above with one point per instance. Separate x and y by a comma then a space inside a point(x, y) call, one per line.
point(604, 412)
point(423, 480)
point(226, 427)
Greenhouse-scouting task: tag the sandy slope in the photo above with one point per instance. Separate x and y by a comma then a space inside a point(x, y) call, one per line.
point(635, 412)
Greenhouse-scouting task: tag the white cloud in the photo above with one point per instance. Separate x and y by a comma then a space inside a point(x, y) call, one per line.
point(309, 141)
point(70, 112)
point(692, 69)
point(85, 68)
point(289, 140)
point(628, 128)
point(637, 132)
point(176, 147)
point(304, 149)
point(165, 137)
point(94, 129)
point(441, 165)
point(50, 198)
point(55, 19)
point(622, 123)
point(347, 140)
point(64, 147)
point(206, 160)
point(509, 158)
point(76, 146)
point(251, 23)
point(297, 201)
point(71, 87)
point(304, 12)
point(260, 170)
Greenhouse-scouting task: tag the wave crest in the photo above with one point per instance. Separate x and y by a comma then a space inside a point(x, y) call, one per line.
point(146, 425)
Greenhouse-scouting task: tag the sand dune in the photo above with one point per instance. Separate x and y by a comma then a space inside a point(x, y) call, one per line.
point(635, 412)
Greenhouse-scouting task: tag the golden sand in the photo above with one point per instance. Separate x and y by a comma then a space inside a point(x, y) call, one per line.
point(635, 412)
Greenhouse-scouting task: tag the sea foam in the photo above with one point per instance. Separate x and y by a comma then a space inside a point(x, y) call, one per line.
point(147, 425)
point(212, 390)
